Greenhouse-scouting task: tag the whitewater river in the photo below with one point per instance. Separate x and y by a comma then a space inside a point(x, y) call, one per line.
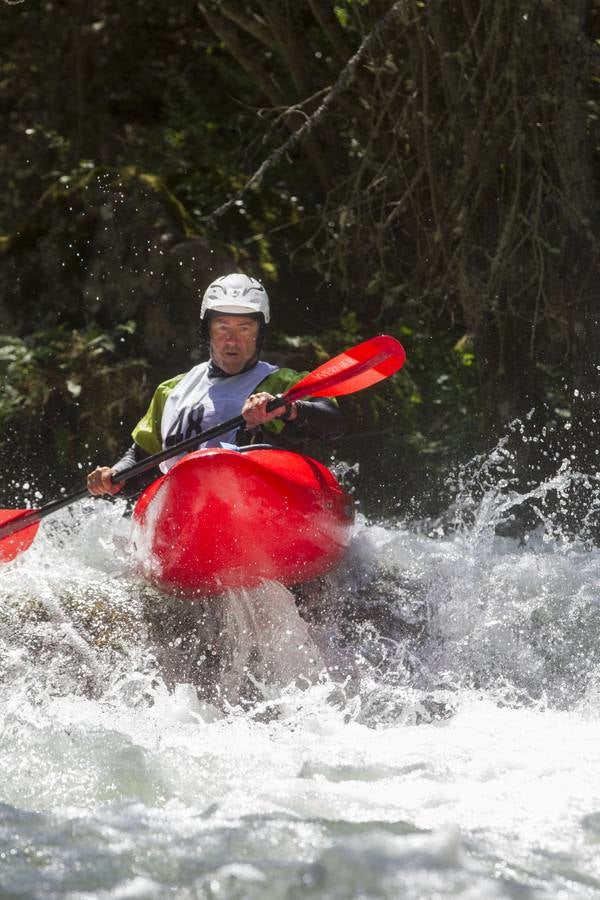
point(429, 728)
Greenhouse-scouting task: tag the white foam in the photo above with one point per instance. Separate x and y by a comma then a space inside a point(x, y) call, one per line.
point(456, 755)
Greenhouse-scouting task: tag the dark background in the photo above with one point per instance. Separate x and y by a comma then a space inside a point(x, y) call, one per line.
point(446, 193)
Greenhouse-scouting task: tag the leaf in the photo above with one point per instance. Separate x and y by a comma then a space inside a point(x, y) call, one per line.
point(342, 16)
point(73, 388)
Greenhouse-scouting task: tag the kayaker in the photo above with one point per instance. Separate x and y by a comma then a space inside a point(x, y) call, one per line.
point(234, 317)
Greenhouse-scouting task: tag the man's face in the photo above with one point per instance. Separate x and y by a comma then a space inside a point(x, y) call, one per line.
point(232, 341)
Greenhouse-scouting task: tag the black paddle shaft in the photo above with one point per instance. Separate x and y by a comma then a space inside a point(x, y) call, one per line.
point(338, 376)
point(185, 446)
point(35, 515)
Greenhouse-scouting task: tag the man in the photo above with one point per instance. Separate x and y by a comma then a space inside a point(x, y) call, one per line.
point(234, 316)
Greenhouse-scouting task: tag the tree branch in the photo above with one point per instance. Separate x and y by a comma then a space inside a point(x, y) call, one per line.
point(230, 37)
point(287, 46)
point(343, 81)
point(330, 28)
point(253, 25)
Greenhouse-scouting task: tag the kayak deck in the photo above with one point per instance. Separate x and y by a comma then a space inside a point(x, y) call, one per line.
point(224, 519)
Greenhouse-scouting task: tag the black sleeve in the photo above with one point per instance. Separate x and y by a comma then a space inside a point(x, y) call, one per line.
point(317, 418)
point(136, 484)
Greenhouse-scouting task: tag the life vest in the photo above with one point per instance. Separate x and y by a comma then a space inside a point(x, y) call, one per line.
point(199, 402)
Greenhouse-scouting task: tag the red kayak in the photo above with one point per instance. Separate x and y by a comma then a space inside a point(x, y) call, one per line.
point(225, 519)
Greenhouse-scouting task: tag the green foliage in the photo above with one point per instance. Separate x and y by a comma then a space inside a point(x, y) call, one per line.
point(448, 197)
point(342, 16)
point(67, 395)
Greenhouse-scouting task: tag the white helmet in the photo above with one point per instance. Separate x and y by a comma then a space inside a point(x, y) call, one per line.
point(236, 295)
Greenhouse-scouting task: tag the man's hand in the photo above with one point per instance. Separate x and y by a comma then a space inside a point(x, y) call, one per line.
point(100, 482)
point(255, 410)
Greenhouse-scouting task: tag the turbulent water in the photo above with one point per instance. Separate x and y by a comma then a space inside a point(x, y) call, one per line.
point(423, 724)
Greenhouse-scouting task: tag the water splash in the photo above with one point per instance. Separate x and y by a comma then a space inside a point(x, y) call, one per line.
point(422, 722)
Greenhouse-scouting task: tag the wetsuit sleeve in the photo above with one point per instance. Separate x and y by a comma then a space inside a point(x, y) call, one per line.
point(147, 433)
point(134, 485)
point(320, 417)
point(147, 440)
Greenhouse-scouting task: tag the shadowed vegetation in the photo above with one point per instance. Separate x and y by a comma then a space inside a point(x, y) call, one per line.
point(426, 169)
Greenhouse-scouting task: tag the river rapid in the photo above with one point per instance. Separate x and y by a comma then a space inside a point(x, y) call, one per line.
point(423, 724)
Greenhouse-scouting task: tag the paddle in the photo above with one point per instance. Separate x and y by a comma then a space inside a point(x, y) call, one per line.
point(355, 369)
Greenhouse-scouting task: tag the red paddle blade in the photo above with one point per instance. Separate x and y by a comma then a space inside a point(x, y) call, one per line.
point(22, 537)
point(354, 369)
